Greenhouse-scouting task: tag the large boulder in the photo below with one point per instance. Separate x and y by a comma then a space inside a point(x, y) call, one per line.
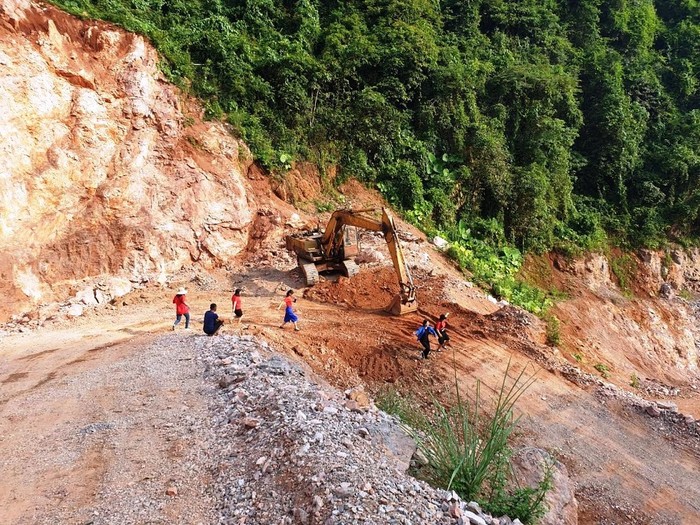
point(396, 443)
point(529, 467)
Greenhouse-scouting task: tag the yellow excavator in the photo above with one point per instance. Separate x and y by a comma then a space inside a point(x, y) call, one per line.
point(333, 249)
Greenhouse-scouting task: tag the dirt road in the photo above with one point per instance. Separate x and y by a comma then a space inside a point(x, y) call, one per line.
point(94, 426)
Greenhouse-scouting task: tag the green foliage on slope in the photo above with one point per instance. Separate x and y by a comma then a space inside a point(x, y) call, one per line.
point(554, 120)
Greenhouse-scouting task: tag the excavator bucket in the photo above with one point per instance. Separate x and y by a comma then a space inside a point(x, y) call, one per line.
point(399, 307)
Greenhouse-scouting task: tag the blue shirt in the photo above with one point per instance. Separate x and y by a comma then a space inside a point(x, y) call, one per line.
point(425, 331)
point(210, 318)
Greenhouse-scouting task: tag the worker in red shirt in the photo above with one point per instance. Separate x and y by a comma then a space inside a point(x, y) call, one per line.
point(181, 308)
point(441, 329)
point(237, 304)
point(289, 315)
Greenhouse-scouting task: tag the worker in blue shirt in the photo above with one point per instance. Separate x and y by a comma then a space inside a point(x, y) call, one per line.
point(423, 334)
point(212, 323)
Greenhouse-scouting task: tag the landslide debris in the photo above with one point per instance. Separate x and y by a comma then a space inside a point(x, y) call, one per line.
point(293, 451)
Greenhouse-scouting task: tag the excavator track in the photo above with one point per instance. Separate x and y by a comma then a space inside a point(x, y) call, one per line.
point(310, 273)
point(349, 268)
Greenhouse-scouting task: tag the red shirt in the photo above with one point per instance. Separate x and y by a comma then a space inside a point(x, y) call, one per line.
point(440, 325)
point(288, 301)
point(236, 301)
point(180, 306)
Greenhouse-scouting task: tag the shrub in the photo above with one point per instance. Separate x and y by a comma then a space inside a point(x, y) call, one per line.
point(624, 268)
point(404, 407)
point(552, 331)
point(468, 450)
point(603, 369)
point(495, 268)
point(634, 380)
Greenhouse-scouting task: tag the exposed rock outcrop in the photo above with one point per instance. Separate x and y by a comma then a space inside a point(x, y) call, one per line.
point(105, 168)
point(530, 466)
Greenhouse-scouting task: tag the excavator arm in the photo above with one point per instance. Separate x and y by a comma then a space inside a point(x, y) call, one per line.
point(332, 242)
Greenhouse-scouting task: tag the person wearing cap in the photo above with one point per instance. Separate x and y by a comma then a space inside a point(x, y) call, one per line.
point(181, 308)
point(441, 329)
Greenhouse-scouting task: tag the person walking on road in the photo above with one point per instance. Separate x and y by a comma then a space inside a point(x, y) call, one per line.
point(212, 323)
point(423, 335)
point(289, 315)
point(237, 305)
point(181, 308)
point(441, 329)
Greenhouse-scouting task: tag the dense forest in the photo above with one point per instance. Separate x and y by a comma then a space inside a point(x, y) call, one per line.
point(536, 123)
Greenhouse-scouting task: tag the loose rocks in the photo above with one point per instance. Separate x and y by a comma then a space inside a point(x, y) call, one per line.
point(297, 456)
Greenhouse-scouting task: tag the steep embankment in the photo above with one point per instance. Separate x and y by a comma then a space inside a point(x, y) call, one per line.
point(105, 168)
point(634, 328)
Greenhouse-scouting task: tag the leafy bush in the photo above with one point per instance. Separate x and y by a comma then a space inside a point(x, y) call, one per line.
point(560, 121)
point(553, 334)
point(603, 369)
point(634, 380)
point(625, 268)
point(404, 407)
point(495, 267)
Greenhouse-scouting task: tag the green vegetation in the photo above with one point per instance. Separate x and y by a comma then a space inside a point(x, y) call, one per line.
point(552, 331)
point(686, 294)
point(624, 268)
point(494, 264)
point(603, 369)
point(634, 380)
point(403, 407)
point(467, 451)
point(580, 358)
point(552, 122)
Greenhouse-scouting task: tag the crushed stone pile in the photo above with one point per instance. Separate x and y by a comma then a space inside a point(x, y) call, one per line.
point(294, 451)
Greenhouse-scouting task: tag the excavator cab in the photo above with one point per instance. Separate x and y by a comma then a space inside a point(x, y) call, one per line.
point(351, 242)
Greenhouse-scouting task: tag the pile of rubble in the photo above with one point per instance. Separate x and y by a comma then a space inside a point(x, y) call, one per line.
point(294, 451)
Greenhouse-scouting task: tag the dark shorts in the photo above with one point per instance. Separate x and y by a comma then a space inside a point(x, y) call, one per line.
point(238, 313)
point(218, 324)
point(443, 337)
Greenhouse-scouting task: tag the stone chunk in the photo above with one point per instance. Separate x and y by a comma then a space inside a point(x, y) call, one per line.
point(474, 519)
point(653, 411)
point(529, 465)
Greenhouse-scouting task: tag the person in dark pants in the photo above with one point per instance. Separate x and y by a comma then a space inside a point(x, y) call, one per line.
point(212, 323)
point(441, 329)
point(423, 334)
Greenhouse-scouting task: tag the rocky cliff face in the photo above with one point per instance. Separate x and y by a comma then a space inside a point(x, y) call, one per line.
point(105, 168)
point(645, 330)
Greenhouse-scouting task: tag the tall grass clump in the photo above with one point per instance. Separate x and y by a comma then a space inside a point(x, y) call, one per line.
point(467, 450)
